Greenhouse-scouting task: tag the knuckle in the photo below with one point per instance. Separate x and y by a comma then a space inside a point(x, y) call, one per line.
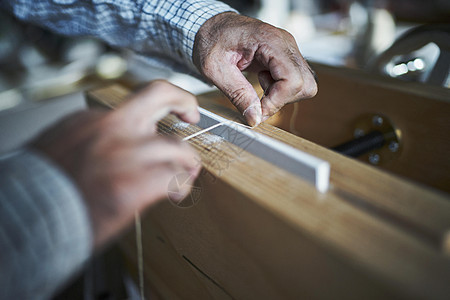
point(304, 89)
point(276, 33)
point(267, 29)
point(209, 67)
point(287, 35)
point(309, 86)
point(312, 90)
point(297, 86)
point(160, 85)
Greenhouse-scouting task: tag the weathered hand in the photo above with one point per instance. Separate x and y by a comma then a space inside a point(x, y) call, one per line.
point(116, 158)
point(230, 43)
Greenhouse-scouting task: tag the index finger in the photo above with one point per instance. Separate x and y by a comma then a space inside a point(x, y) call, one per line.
point(230, 80)
point(144, 109)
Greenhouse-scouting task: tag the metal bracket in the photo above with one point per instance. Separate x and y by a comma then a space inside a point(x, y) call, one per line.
point(392, 146)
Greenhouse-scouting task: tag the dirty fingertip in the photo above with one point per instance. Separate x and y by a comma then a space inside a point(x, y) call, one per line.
point(253, 115)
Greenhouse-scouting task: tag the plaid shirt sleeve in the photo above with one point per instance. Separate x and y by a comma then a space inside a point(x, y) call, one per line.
point(45, 232)
point(163, 30)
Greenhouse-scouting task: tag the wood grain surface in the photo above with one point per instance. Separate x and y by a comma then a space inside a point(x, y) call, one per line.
point(420, 112)
point(258, 232)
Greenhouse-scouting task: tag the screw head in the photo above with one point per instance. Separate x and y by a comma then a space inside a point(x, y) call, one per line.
point(374, 158)
point(358, 133)
point(393, 146)
point(377, 121)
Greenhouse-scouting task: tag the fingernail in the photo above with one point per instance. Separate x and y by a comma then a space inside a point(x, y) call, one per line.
point(253, 115)
point(264, 118)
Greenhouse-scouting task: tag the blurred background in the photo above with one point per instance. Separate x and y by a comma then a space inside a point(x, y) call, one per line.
point(42, 75)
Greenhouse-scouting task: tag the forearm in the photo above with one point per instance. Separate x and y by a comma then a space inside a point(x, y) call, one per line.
point(163, 30)
point(45, 232)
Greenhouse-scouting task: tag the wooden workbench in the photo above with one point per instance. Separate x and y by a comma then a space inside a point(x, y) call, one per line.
point(258, 232)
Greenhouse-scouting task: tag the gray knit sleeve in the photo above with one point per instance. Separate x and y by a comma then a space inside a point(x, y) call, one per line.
point(45, 232)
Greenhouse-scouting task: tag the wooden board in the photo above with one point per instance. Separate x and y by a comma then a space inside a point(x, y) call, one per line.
point(257, 232)
point(420, 112)
point(288, 158)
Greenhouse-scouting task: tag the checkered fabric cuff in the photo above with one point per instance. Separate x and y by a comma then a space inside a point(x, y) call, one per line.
point(179, 22)
point(162, 30)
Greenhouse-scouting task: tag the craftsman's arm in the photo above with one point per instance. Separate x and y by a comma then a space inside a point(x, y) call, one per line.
point(162, 30)
point(81, 185)
point(229, 43)
point(45, 233)
point(191, 36)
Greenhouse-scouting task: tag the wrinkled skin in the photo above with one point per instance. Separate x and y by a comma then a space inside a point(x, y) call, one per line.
point(229, 43)
point(121, 165)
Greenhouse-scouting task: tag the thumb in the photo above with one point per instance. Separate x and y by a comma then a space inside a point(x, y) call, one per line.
point(230, 80)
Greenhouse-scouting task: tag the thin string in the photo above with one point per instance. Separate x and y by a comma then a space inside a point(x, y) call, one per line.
point(203, 131)
point(140, 255)
point(292, 128)
point(137, 218)
point(214, 126)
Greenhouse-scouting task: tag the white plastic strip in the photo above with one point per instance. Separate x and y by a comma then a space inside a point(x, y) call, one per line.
point(308, 167)
point(202, 131)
